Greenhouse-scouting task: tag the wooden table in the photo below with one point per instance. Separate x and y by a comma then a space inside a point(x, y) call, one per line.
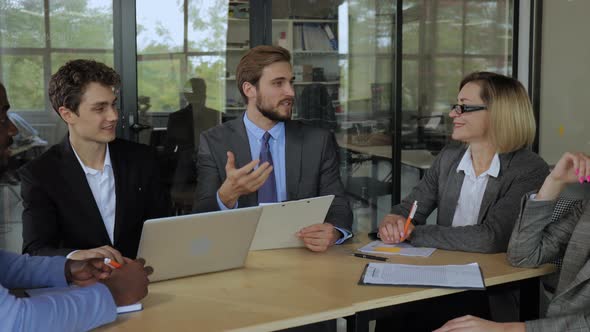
point(496, 271)
point(277, 289)
point(291, 287)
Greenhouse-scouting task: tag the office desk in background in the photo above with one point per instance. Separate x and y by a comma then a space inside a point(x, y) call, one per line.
point(369, 188)
point(285, 288)
point(420, 159)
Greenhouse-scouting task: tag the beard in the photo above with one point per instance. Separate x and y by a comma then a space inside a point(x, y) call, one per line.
point(272, 113)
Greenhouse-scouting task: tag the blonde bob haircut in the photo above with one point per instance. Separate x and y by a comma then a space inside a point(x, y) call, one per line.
point(511, 114)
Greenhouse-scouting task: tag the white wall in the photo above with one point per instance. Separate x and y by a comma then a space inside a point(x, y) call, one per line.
point(565, 78)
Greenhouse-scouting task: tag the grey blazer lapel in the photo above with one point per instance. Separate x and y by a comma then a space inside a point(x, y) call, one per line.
point(240, 146)
point(576, 266)
point(489, 196)
point(452, 189)
point(581, 277)
point(293, 158)
point(493, 186)
point(238, 142)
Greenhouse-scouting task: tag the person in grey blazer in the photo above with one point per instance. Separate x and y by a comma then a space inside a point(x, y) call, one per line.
point(263, 156)
point(537, 240)
point(475, 186)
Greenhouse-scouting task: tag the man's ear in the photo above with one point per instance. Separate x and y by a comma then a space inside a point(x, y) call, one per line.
point(249, 90)
point(67, 115)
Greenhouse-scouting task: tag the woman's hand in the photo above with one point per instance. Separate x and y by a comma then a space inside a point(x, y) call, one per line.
point(571, 168)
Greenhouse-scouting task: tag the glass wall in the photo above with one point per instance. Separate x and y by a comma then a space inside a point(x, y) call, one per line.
point(443, 41)
point(36, 38)
point(186, 58)
point(344, 60)
point(347, 83)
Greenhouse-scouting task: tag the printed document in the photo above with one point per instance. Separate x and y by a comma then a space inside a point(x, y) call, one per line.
point(448, 276)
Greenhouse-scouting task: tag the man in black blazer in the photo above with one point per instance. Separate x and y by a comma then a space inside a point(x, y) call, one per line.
point(89, 195)
point(303, 160)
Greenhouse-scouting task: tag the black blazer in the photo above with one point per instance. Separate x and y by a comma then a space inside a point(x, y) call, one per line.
point(60, 214)
point(311, 159)
point(180, 145)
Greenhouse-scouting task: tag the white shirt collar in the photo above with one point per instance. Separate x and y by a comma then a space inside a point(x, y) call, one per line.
point(91, 171)
point(466, 165)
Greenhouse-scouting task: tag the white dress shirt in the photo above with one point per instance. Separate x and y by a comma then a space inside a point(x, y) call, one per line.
point(472, 190)
point(102, 184)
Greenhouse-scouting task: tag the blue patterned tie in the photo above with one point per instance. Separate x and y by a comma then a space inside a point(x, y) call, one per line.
point(268, 192)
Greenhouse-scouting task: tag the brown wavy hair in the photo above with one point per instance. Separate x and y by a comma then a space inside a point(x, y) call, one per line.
point(69, 83)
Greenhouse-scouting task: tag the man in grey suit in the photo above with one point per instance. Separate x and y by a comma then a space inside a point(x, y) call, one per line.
point(263, 156)
point(537, 240)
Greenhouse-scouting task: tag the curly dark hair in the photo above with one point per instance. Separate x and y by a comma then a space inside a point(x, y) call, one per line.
point(69, 83)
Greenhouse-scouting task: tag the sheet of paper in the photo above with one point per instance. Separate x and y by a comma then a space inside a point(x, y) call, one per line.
point(129, 308)
point(404, 249)
point(451, 276)
point(54, 290)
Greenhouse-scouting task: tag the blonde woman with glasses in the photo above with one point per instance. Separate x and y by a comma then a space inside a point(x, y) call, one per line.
point(476, 187)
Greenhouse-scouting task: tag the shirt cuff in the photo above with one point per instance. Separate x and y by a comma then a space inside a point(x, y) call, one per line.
point(222, 206)
point(533, 197)
point(345, 235)
point(69, 256)
point(57, 272)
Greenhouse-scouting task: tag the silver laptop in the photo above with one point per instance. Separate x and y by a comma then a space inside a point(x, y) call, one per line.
point(280, 221)
point(198, 243)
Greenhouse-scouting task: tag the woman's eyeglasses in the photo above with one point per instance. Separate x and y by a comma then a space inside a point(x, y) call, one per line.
point(460, 109)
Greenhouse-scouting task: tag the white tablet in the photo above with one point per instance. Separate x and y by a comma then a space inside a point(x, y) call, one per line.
point(280, 221)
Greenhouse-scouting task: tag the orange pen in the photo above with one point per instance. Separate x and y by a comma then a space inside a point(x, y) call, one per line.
point(111, 263)
point(409, 219)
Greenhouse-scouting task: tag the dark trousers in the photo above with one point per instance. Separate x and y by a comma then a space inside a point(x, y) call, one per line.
point(430, 314)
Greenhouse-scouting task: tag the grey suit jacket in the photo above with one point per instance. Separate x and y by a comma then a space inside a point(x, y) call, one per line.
point(536, 240)
point(521, 171)
point(312, 167)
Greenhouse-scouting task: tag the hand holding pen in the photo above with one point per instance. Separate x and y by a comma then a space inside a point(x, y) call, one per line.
point(86, 272)
point(395, 228)
point(407, 231)
point(128, 282)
